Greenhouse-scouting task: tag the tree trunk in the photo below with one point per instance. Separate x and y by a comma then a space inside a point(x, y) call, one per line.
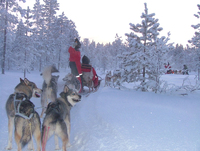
point(59, 59)
point(4, 42)
point(199, 70)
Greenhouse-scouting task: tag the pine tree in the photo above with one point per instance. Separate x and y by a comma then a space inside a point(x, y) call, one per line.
point(159, 56)
point(23, 49)
point(39, 31)
point(49, 13)
point(118, 49)
point(7, 7)
point(195, 41)
point(141, 41)
point(64, 35)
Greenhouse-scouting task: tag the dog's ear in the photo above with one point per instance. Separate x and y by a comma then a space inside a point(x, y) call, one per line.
point(54, 69)
point(21, 80)
point(63, 95)
point(66, 89)
point(26, 81)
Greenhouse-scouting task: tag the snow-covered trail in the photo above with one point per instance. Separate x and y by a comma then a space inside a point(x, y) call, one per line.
point(129, 120)
point(112, 119)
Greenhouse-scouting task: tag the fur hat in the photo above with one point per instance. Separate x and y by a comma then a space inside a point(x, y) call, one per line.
point(77, 44)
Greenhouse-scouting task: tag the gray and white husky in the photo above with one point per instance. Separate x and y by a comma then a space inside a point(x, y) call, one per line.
point(72, 82)
point(57, 118)
point(30, 90)
point(49, 87)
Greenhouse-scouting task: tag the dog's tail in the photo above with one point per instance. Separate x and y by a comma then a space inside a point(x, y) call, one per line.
point(49, 129)
point(26, 137)
point(47, 73)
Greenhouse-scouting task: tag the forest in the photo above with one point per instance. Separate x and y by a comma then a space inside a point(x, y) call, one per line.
point(31, 39)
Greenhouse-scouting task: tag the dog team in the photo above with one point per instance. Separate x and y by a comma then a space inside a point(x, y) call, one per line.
point(25, 121)
point(113, 80)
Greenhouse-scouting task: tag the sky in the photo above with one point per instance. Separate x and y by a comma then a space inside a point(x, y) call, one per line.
point(102, 20)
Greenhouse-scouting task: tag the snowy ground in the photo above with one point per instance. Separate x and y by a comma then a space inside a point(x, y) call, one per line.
point(121, 120)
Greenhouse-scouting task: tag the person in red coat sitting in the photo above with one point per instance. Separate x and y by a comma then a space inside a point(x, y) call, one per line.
point(74, 61)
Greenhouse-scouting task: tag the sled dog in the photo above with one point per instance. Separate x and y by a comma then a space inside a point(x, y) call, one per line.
point(116, 78)
point(30, 90)
point(57, 118)
point(27, 123)
point(72, 82)
point(49, 87)
point(87, 79)
point(108, 79)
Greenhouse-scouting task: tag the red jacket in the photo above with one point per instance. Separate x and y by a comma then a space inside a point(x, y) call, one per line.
point(75, 56)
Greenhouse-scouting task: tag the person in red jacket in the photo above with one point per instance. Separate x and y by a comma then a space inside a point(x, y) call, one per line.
point(74, 61)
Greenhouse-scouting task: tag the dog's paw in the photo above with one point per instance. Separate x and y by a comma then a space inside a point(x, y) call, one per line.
point(30, 149)
point(68, 145)
point(8, 147)
point(57, 148)
point(30, 146)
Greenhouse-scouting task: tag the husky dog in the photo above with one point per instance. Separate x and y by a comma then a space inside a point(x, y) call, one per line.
point(57, 118)
point(27, 122)
point(72, 82)
point(49, 87)
point(108, 79)
point(87, 80)
point(116, 78)
point(30, 90)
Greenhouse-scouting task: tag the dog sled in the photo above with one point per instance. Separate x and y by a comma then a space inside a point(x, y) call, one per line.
point(90, 78)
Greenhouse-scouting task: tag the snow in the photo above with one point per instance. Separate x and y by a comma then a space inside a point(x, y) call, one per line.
point(122, 120)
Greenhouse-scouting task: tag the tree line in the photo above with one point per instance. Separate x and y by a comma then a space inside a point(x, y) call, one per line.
point(30, 39)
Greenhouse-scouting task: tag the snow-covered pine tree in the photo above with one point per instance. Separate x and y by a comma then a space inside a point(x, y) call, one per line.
point(85, 47)
point(91, 54)
point(49, 13)
point(195, 41)
point(97, 55)
point(177, 57)
point(39, 32)
point(141, 41)
point(107, 58)
point(23, 50)
point(64, 34)
point(117, 50)
point(30, 41)
point(158, 54)
point(8, 18)
point(131, 65)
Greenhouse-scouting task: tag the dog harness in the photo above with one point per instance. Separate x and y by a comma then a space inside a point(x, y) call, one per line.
point(17, 104)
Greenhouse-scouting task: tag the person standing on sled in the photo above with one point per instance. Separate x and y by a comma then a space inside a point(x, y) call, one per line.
point(74, 62)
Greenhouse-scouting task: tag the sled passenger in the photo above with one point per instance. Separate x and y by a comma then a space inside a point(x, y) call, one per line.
point(74, 61)
point(168, 67)
point(185, 69)
point(86, 67)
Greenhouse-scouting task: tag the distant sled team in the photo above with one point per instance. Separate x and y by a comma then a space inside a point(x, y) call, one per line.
point(113, 80)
